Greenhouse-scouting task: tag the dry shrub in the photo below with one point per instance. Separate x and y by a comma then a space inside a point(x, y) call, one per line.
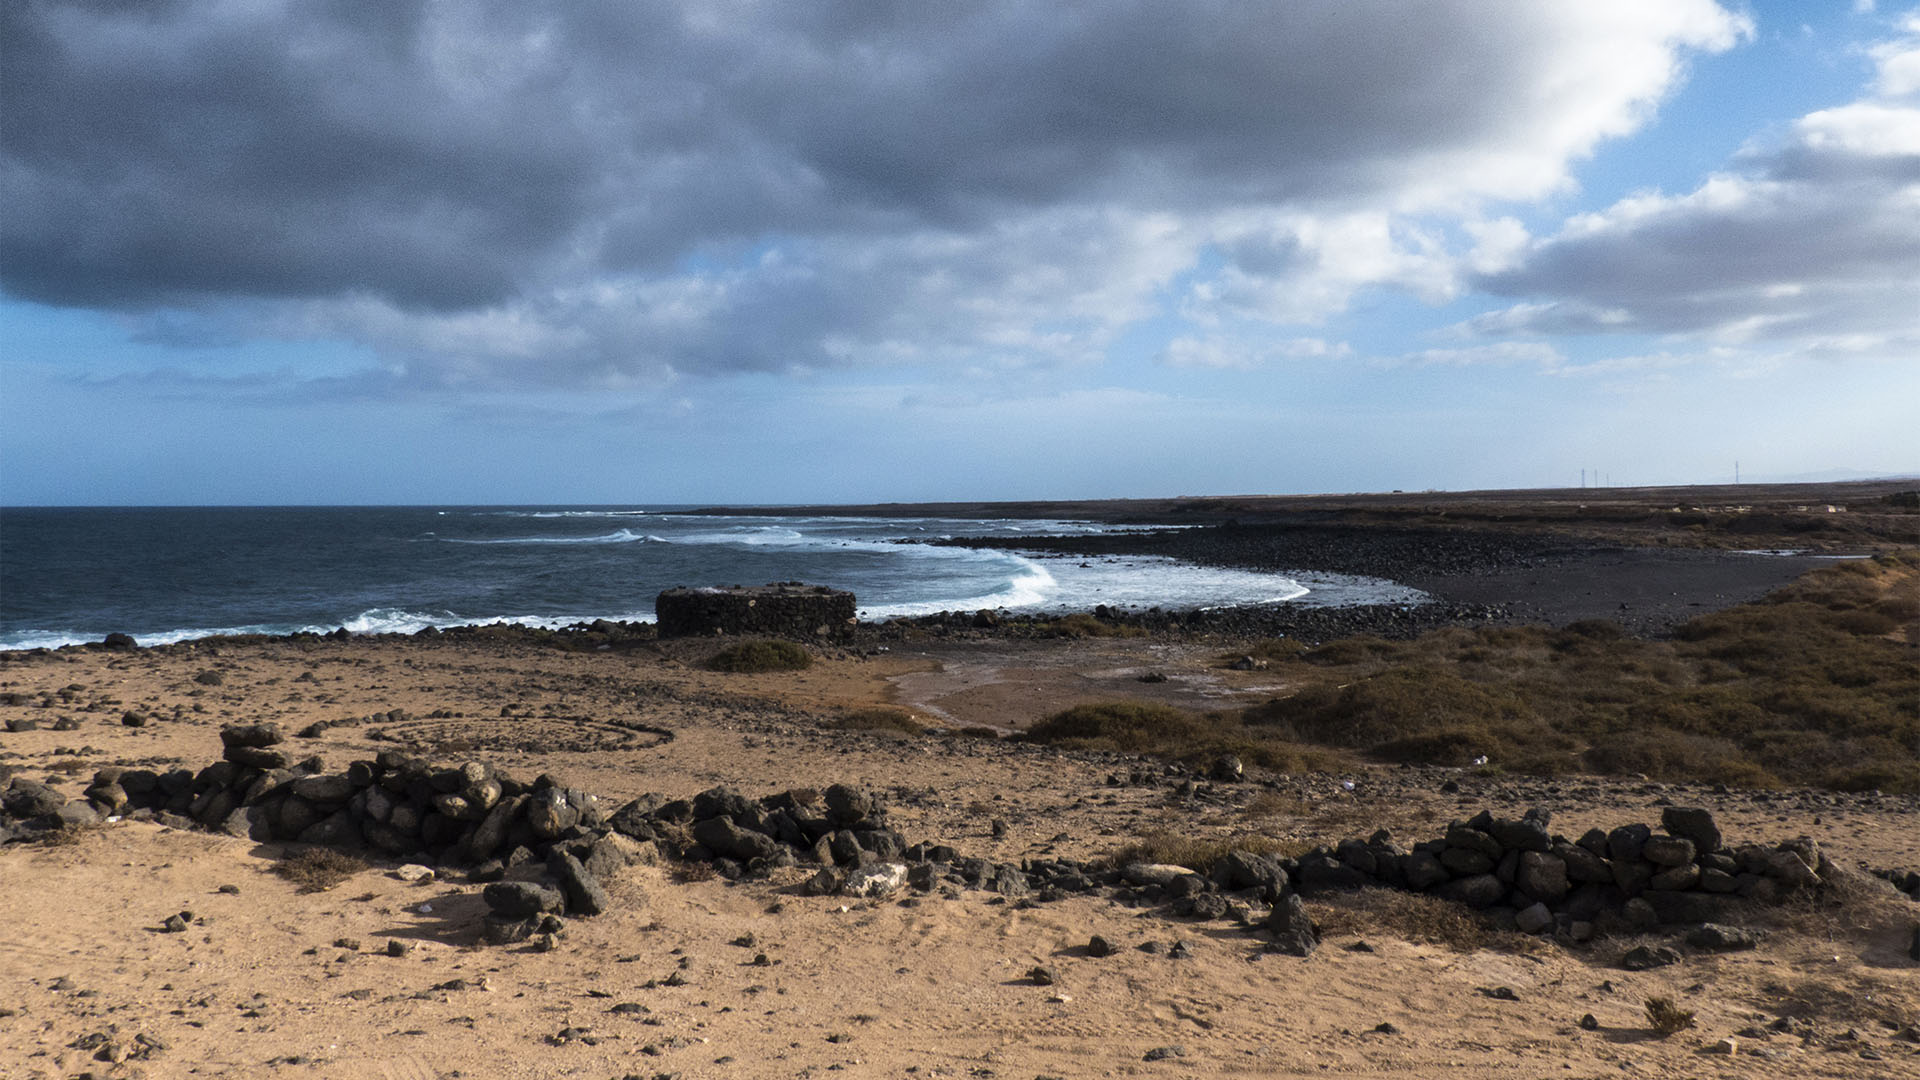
point(878, 719)
point(1276, 754)
point(1664, 753)
point(1129, 726)
point(1136, 727)
point(750, 657)
point(1345, 652)
point(687, 873)
point(1392, 705)
point(1081, 624)
point(318, 869)
point(71, 835)
point(1417, 918)
point(1851, 907)
point(1666, 1018)
point(1817, 683)
point(1270, 649)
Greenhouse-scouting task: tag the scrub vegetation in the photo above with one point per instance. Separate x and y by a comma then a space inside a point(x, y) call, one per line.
point(1816, 684)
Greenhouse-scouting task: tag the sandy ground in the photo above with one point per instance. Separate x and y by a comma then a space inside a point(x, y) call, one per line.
point(271, 982)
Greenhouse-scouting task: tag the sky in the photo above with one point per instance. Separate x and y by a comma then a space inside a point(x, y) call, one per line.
point(749, 251)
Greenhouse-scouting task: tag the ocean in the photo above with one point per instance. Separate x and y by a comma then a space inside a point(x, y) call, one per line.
point(72, 575)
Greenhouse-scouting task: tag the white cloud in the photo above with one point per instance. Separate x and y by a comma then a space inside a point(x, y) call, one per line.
point(1225, 353)
point(1501, 353)
point(1811, 248)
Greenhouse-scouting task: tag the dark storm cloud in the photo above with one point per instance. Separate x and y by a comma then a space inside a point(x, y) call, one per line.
point(582, 160)
point(154, 155)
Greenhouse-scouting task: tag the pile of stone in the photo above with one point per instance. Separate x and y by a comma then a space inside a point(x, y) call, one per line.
point(468, 815)
point(1684, 874)
point(844, 830)
point(1517, 870)
point(474, 816)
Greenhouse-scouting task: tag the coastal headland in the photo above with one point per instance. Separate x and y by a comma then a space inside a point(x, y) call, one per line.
point(1131, 843)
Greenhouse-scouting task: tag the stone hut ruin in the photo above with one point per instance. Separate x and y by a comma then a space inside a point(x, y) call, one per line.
point(788, 609)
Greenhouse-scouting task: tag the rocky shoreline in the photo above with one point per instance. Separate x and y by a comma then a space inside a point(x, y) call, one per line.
point(1477, 576)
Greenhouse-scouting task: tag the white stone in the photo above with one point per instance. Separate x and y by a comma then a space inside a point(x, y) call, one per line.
point(876, 881)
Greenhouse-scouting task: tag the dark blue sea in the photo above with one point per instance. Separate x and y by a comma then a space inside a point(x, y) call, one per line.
point(169, 574)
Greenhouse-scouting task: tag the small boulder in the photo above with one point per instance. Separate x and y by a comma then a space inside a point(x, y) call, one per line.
point(498, 929)
point(1715, 937)
point(30, 798)
point(1648, 957)
point(585, 894)
point(325, 788)
point(725, 838)
point(550, 812)
point(875, 880)
point(265, 759)
point(75, 814)
point(1693, 823)
point(1668, 850)
point(825, 883)
point(1534, 918)
point(848, 806)
point(522, 899)
point(251, 735)
point(1293, 931)
point(1625, 843)
point(1161, 874)
point(1478, 890)
point(1542, 876)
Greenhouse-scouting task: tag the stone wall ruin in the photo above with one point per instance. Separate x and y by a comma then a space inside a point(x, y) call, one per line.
point(790, 610)
point(507, 832)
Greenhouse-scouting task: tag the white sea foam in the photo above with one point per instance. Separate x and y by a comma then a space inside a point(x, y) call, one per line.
point(572, 513)
point(622, 536)
point(372, 621)
point(1030, 588)
point(1140, 582)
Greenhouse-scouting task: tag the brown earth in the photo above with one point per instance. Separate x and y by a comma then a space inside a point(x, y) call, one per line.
point(261, 983)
